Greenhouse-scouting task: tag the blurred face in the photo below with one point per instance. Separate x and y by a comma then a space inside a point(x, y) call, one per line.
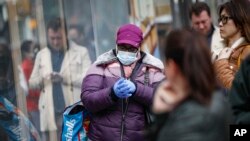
point(74, 35)
point(202, 22)
point(55, 38)
point(228, 29)
point(31, 53)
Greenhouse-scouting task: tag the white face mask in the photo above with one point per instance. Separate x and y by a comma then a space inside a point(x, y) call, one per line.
point(126, 58)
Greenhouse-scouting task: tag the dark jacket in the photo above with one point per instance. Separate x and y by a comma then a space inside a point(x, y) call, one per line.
point(240, 94)
point(190, 121)
point(107, 113)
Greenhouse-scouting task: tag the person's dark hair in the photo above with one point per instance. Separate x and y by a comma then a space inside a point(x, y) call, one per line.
point(5, 60)
point(25, 47)
point(55, 24)
point(239, 12)
point(197, 8)
point(189, 50)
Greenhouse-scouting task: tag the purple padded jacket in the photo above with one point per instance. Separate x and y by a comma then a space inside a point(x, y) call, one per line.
point(117, 119)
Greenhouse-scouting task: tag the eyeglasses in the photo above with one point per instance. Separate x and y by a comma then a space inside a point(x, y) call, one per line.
point(127, 48)
point(224, 19)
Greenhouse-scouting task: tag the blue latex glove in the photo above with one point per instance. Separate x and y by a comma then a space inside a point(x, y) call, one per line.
point(131, 86)
point(121, 89)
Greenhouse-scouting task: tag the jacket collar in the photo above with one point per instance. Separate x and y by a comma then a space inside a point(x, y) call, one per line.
point(238, 42)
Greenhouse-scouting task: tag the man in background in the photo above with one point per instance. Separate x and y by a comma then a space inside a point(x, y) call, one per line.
point(58, 72)
point(201, 21)
point(76, 34)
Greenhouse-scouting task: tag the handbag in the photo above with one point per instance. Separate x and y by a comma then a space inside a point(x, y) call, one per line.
point(76, 119)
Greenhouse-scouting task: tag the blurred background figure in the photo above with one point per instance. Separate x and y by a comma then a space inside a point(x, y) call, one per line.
point(7, 91)
point(29, 51)
point(4, 26)
point(7, 83)
point(201, 21)
point(76, 34)
point(183, 102)
point(235, 30)
point(58, 73)
point(14, 126)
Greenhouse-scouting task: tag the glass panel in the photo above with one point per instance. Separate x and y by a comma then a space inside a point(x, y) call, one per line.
point(106, 19)
point(42, 71)
point(79, 24)
point(15, 122)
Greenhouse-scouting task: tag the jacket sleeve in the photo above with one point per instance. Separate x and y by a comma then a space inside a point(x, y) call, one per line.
point(224, 72)
point(240, 94)
point(93, 95)
point(144, 93)
point(35, 81)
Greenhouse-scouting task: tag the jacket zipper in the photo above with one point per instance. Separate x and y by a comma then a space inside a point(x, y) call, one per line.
point(125, 102)
point(124, 112)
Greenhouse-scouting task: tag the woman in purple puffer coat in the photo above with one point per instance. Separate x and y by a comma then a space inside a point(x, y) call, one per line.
point(119, 87)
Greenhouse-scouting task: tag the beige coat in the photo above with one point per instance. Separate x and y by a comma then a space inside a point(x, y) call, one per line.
point(226, 68)
point(74, 66)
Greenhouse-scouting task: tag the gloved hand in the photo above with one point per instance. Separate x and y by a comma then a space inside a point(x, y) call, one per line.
point(131, 86)
point(121, 89)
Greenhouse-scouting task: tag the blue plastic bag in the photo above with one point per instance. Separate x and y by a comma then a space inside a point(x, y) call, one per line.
point(74, 123)
point(10, 121)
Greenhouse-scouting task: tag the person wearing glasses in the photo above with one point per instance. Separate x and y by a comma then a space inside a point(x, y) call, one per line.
point(119, 87)
point(201, 22)
point(235, 30)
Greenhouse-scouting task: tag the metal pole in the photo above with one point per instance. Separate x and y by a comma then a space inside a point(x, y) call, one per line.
point(40, 24)
point(16, 57)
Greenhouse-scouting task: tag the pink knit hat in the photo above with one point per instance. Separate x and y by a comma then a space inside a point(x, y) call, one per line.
point(129, 34)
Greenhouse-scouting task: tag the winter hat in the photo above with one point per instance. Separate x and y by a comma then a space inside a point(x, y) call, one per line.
point(129, 34)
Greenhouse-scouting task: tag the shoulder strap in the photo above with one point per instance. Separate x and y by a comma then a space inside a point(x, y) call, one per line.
point(146, 76)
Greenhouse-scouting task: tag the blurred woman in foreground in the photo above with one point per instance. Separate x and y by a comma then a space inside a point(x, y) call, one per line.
point(184, 103)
